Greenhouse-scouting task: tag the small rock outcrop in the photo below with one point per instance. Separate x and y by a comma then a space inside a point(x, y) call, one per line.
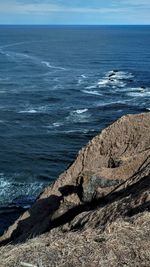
point(110, 178)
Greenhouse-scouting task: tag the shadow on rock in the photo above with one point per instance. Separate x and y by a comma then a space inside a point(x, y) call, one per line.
point(53, 212)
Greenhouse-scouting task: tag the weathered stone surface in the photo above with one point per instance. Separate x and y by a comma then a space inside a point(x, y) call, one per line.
point(109, 178)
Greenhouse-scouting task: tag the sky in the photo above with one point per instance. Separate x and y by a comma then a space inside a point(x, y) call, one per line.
point(78, 12)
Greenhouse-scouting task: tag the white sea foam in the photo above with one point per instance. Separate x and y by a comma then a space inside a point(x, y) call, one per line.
point(111, 79)
point(57, 124)
point(115, 79)
point(34, 109)
point(9, 189)
point(81, 115)
point(15, 56)
point(82, 79)
point(80, 111)
point(83, 76)
point(109, 103)
point(119, 75)
point(28, 111)
point(54, 125)
point(35, 60)
point(92, 92)
point(139, 94)
point(110, 82)
point(91, 86)
point(51, 66)
point(78, 131)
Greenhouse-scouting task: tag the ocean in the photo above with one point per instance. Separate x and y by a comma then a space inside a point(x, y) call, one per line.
point(59, 87)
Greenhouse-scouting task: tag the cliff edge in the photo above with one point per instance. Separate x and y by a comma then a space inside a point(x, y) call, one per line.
point(98, 208)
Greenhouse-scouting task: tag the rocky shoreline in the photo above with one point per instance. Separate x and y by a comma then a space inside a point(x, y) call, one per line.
point(11, 212)
point(105, 191)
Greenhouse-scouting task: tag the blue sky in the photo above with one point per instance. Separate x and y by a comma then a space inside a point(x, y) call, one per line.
point(75, 12)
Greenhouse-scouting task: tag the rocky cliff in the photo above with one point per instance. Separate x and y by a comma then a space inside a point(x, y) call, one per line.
point(106, 190)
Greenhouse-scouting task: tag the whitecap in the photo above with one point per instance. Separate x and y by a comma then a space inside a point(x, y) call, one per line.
point(94, 92)
point(91, 87)
point(80, 111)
point(28, 111)
point(57, 124)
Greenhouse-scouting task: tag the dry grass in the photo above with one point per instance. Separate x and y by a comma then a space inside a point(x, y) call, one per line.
point(123, 243)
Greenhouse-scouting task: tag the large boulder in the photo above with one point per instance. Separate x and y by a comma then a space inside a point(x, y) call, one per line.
point(109, 178)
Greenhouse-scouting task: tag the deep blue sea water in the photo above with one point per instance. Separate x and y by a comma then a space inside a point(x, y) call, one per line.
point(58, 90)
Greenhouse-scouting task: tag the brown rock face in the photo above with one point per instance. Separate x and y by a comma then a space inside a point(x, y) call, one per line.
point(109, 178)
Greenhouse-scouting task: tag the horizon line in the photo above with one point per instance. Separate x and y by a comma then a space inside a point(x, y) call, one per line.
point(6, 24)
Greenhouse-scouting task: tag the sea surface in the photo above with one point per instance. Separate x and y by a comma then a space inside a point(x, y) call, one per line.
point(59, 87)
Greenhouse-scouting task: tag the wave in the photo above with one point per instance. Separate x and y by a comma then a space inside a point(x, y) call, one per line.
point(115, 78)
point(120, 75)
point(36, 109)
point(139, 94)
point(138, 91)
point(80, 111)
point(9, 189)
point(28, 111)
point(91, 87)
point(79, 131)
point(92, 92)
point(81, 115)
point(111, 82)
point(112, 79)
point(111, 103)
